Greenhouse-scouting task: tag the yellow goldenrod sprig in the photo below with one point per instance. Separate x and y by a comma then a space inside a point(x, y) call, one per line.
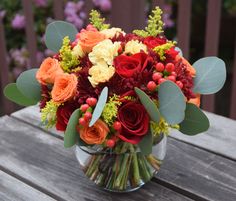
point(68, 60)
point(97, 21)
point(155, 24)
point(161, 49)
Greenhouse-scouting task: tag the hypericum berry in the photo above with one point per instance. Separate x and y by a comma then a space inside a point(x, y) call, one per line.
point(156, 76)
point(87, 116)
point(160, 67)
point(171, 78)
point(151, 86)
point(84, 107)
point(82, 121)
point(174, 74)
point(161, 80)
point(91, 101)
point(117, 125)
point(170, 67)
point(110, 143)
point(180, 84)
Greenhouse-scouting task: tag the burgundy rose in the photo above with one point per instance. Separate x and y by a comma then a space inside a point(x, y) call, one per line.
point(127, 66)
point(63, 115)
point(134, 121)
point(152, 41)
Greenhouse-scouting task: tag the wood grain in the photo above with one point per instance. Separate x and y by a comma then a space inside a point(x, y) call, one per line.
point(42, 159)
point(12, 189)
point(220, 138)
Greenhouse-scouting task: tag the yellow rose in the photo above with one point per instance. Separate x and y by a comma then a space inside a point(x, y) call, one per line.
point(134, 46)
point(77, 51)
point(100, 73)
point(104, 51)
point(110, 33)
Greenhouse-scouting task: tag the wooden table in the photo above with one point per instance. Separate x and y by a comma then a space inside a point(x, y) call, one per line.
point(34, 165)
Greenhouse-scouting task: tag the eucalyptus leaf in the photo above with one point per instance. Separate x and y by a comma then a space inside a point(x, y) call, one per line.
point(146, 143)
point(28, 85)
point(12, 93)
point(56, 31)
point(195, 121)
point(179, 50)
point(172, 102)
point(210, 75)
point(99, 107)
point(71, 134)
point(149, 105)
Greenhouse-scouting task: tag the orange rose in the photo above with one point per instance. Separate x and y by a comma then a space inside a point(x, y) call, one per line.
point(48, 71)
point(189, 66)
point(196, 101)
point(95, 134)
point(88, 39)
point(64, 88)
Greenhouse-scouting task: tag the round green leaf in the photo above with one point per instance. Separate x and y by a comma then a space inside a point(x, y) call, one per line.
point(210, 75)
point(71, 135)
point(172, 102)
point(146, 143)
point(56, 31)
point(195, 121)
point(99, 107)
point(28, 85)
point(148, 104)
point(12, 93)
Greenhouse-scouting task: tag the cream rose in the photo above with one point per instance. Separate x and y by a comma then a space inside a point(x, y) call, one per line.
point(134, 46)
point(104, 51)
point(78, 51)
point(100, 73)
point(110, 33)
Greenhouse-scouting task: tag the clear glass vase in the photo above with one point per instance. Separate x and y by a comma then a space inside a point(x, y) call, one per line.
point(120, 172)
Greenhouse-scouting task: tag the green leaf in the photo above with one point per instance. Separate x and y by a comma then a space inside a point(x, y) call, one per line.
point(99, 107)
point(195, 121)
point(71, 134)
point(149, 105)
point(210, 75)
point(146, 143)
point(172, 102)
point(56, 31)
point(28, 85)
point(12, 93)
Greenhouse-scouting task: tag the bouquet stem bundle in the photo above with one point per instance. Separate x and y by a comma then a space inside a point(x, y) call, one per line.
point(121, 170)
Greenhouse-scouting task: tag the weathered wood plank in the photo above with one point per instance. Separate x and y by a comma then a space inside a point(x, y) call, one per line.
point(11, 189)
point(220, 138)
point(42, 159)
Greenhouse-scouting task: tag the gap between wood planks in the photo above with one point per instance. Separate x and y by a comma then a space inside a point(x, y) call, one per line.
point(155, 180)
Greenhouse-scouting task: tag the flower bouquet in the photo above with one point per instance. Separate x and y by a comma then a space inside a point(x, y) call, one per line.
point(116, 96)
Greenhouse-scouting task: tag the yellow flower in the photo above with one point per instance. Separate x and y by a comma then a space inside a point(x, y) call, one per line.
point(134, 46)
point(77, 51)
point(110, 33)
point(100, 73)
point(105, 51)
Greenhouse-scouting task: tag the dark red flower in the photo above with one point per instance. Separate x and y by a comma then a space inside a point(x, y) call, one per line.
point(128, 66)
point(152, 41)
point(45, 96)
point(134, 121)
point(63, 115)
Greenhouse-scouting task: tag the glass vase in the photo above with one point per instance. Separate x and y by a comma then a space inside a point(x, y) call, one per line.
point(125, 170)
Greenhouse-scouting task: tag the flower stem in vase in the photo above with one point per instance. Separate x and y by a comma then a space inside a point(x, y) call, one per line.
point(135, 168)
point(145, 171)
point(155, 163)
point(93, 166)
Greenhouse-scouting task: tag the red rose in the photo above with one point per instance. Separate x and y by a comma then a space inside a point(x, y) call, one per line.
point(152, 41)
point(127, 66)
point(63, 115)
point(134, 122)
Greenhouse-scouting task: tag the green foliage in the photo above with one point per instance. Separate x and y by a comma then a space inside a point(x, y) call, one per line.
point(146, 143)
point(68, 60)
point(97, 21)
point(13, 94)
point(48, 114)
point(109, 113)
point(155, 25)
point(161, 49)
